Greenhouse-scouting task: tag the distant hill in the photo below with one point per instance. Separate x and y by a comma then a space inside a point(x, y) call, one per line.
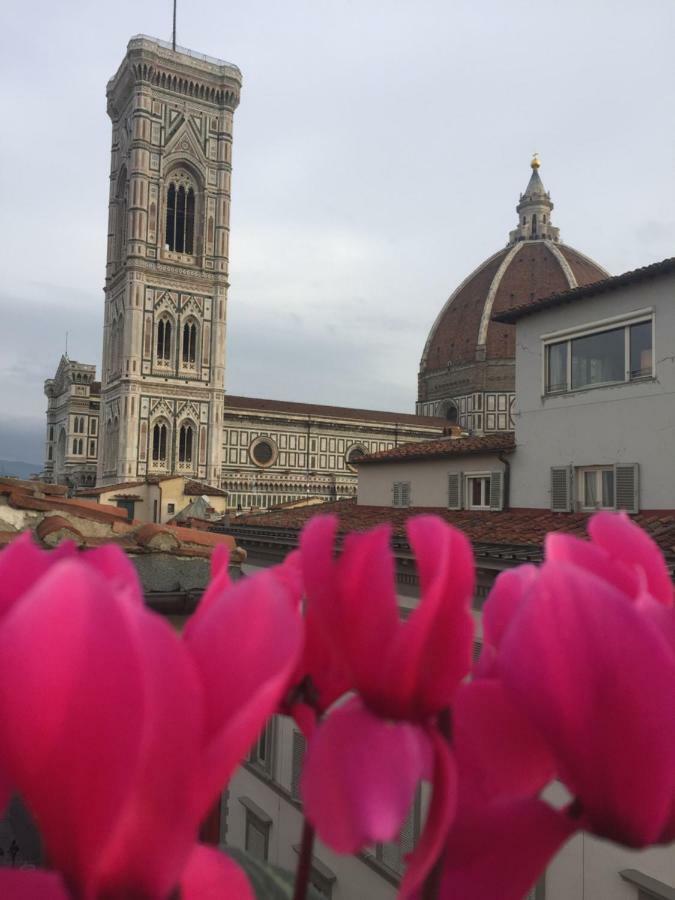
point(18, 469)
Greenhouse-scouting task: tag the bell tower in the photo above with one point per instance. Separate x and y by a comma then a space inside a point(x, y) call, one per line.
point(163, 368)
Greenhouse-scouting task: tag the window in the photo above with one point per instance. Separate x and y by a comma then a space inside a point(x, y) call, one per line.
point(74, 445)
point(185, 439)
point(92, 448)
point(478, 492)
point(257, 833)
point(610, 356)
point(263, 452)
point(51, 432)
point(298, 758)
point(50, 453)
point(171, 508)
point(262, 752)
point(401, 493)
point(353, 456)
point(596, 488)
point(189, 344)
point(93, 427)
point(163, 341)
point(393, 855)
point(128, 505)
point(159, 435)
point(180, 216)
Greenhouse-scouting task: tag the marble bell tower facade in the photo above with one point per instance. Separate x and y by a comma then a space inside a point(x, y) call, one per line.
point(163, 369)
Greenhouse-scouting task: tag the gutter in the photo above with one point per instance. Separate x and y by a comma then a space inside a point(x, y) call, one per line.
point(507, 480)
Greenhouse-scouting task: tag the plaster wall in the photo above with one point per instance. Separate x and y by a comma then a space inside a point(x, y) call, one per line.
point(625, 423)
point(428, 479)
point(355, 878)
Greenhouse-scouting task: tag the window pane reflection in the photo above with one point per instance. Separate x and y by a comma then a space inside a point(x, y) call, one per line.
point(598, 358)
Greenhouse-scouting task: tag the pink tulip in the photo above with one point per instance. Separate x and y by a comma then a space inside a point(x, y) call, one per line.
point(578, 673)
point(365, 761)
point(119, 735)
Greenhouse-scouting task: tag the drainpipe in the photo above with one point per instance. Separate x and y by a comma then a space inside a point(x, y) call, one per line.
point(507, 480)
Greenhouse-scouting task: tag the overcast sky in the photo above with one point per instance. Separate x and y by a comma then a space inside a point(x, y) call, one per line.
point(379, 150)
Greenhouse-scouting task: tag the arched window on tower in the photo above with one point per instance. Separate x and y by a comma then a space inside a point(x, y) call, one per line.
point(534, 226)
point(159, 443)
point(185, 442)
point(180, 214)
point(189, 344)
point(164, 340)
point(121, 215)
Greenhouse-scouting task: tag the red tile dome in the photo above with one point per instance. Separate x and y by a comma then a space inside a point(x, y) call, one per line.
point(464, 342)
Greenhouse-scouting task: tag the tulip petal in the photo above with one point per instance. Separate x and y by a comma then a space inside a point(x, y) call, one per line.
point(322, 660)
point(245, 645)
point(211, 875)
point(499, 752)
point(354, 599)
point(499, 853)
point(369, 616)
point(158, 829)
point(23, 884)
point(70, 712)
point(220, 583)
point(22, 563)
point(596, 677)
point(627, 542)
point(360, 776)
point(433, 651)
point(566, 548)
point(439, 818)
point(499, 609)
point(116, 568)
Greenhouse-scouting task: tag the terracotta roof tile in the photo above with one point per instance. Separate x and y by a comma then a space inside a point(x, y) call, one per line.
point(103, 489)
point(665, 267)
point(334, 412)
point(54, 529)
point(442, 449)
point(524, 528)
point(199, 489)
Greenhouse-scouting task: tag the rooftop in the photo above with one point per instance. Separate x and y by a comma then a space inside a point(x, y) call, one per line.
point(167, 45)
point(52, 516)
point(443, 448)
point(259, 404)
point(516, 534)
point(613, 283)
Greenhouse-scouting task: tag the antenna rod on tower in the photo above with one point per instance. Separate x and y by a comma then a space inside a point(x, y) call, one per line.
point(173, 42)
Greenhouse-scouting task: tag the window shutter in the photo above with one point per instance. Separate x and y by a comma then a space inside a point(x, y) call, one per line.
point(396, 493)
point(561, 488)
point(496, 490)
point(627, 487)
point(298, 756)
point(455, 490)
point(408, 836)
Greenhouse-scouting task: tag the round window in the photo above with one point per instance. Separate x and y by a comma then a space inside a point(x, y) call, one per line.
point(355, 455)
point(262, 452)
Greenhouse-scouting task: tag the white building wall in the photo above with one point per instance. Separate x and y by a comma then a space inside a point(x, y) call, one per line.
point(428, 479)
point(626, 423)
point(355, 879)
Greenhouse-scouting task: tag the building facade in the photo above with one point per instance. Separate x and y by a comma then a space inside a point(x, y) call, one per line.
point(595, 385)
point(163, 368)
point(276, 451)
point(467, 370)
point(163, 405)
point(73, 421)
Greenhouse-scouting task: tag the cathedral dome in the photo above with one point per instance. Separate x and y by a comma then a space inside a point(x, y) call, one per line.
point(533, 264)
